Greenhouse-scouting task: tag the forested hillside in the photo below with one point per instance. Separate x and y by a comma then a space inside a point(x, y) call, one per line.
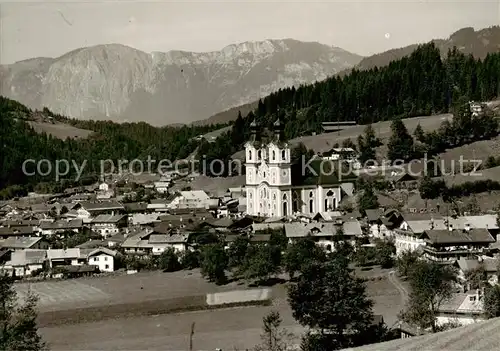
point(419, 84)
point(110, 141)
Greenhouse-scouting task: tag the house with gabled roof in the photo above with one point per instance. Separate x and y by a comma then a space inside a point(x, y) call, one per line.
point(23, 243)
point(25, 262)
point(61, 226)
point(91, 209)
point(447, 246)
point(155, 241)
point(410, 233)
point(103, 258)
point(324, 233)
point(108, 225)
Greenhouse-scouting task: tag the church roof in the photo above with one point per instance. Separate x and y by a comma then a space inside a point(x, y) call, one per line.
point(320, 172)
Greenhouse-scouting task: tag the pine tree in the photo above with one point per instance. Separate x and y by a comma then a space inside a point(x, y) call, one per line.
point(18, 329)
point(400, 146)
point(367, 144)
point(419, 133)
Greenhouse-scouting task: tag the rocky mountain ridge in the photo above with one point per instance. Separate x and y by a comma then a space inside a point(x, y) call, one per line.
point(120, 83)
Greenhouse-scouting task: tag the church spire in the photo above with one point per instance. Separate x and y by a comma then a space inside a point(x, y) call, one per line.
point(278, 130)
point(254, 131)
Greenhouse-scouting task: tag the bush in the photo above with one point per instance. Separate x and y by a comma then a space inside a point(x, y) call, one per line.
point(190, 259)
point(169, 260)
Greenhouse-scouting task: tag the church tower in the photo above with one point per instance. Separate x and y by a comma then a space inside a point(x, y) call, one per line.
point(253, 156)
point(268, 173)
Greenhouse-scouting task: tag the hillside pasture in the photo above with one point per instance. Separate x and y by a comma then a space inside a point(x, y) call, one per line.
point(324, 142)
point(60, 130)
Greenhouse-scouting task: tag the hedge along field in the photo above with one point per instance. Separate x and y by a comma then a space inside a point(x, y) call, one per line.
point(145, 308)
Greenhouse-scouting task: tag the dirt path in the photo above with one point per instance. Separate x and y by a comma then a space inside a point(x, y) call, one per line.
point(402, 290)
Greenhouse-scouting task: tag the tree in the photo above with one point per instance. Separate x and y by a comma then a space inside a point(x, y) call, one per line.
point(343, 248)
point(405, 262)
point(431, 285)
point(261, 262)
point(169, 260)
point(400, 146)
point(278, 238)
point(367, 199)
point(384, 252)
point(332, 301)
point(347, 143)
point(419, 134)
point(274, 338)
point(214, 262)
point(367, 143)
point(301, 253)
point(476, 277)
point(431, 189)
point(237, 251)
point(18, 327)
point(190, 259)
point(492, 301)
point(299, 152)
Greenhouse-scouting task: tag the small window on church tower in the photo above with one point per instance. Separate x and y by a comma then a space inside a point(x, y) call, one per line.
point(274, 155)
point(283, 155)
point(250, 155)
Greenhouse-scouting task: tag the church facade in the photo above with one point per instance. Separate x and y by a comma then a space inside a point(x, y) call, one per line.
point(275, 187)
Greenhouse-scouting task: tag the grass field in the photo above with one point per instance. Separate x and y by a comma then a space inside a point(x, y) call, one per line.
point(324, 142)
point(144, 326)
point(60, 130)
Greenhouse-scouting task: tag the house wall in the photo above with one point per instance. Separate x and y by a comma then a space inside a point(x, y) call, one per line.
point(103, 261)
point(460, 319)
point(379, 231)
point(158, 249)
point(407, 243)
point(106, 229)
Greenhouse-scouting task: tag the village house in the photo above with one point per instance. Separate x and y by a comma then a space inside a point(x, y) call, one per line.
point(190, 199)
point(490, 266)
point(91, 209)
point(144, 219)
point(150, 242)
point(23, 243)
point(104, 192)
point(6, 232)
point(158, 205)
point(61, 226)
point(380, 224)
point(462, 309)
point(65, 257)
point(410, 233)
point(108, 225)
point(341, 153)
point(161, 186)
point(103, 258)
point(452, 244)
point(25, 262)
point(324, 233)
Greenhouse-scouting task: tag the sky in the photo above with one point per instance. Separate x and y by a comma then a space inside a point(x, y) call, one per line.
point(50, 29)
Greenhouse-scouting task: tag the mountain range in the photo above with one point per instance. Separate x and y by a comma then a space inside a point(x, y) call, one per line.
point(123, 84)
point(467, 40)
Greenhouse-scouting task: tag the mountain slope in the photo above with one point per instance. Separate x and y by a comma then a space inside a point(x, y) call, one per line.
point(124, 84)
point(467, 40)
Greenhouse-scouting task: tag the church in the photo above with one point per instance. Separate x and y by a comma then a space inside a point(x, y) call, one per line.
point(278, 187)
